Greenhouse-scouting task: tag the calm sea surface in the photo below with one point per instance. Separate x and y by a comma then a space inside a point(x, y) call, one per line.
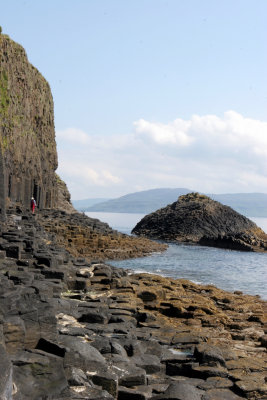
point(226, 269)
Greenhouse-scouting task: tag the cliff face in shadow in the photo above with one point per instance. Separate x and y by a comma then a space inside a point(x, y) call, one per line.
point(28, 156)
point(198, 219)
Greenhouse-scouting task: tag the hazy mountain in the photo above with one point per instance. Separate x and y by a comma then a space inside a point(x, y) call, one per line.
point(249, 204)
point(140, 202)
point(81, 205)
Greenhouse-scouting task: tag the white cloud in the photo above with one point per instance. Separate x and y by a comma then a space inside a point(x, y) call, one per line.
point(82, 172)
point(173, 133)
point(73, 135)
point(206, 153)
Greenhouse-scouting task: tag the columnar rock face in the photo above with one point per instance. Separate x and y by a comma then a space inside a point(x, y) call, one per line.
point(197, 218)
point(2, 188)
point(28, 157)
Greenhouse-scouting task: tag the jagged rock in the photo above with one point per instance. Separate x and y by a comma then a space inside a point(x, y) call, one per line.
point(117, 348)
point(107, 380)
point(32, 376)
point(149, 362)
point(207, 354)
point(216, 382)
point(198, 219)
point(63, 197)
point(180, 391)
point(204, 372)
point(14, 332)
point(95, 317)
point(6, 375)
point(263, 340)
point(140, 393)
point(87, 393)
point(76, 376)
point(102, 344)
point(129, 375)
point(251, 386)
point(221, 394)
point(81, 354)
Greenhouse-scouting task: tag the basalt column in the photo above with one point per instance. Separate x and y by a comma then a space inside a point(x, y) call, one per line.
point(2, 188)
point(29, 156)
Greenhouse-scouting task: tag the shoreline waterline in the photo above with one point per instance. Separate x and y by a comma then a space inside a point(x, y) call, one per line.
point(229, 270)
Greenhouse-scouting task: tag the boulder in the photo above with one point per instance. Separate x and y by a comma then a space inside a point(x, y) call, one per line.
point(179, 391)
point(207, 354)
point(79, 353)
point(6, 375)
point(108, 380)
point(38, 376)
point(221, 394)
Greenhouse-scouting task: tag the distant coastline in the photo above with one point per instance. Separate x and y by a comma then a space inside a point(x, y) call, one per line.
point(145, 202)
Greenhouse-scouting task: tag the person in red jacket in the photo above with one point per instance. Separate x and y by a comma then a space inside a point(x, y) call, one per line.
point(33, 204)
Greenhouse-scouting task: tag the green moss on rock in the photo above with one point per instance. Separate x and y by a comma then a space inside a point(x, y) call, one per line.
point(4, 94)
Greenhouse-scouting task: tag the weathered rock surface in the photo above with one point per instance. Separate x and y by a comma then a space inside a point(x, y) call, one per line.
point(28, 157)
point(73, 329)
point(198, 219)
point(64, 197)
point(93, 239)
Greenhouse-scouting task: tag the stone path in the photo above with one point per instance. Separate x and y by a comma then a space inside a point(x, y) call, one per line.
point(93, 239)
point(76, 329)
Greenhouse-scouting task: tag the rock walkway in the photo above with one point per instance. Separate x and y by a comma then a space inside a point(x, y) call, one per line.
point(93, 239)
point(76, 329)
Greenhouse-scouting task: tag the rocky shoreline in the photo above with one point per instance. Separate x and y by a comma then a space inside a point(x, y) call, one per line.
point(73, 328)
point(93, 239)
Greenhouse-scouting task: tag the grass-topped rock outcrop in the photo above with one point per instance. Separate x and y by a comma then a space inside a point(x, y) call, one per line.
point(199, 219)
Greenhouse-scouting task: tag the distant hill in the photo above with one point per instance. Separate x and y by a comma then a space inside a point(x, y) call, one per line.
point(145, 202)
point(248, 204)
point(140, 202)
point(81, 205)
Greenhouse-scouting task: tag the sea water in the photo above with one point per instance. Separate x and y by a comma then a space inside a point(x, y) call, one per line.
point(227, 269)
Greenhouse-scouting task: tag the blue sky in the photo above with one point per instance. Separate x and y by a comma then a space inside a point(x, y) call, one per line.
point(152, 93)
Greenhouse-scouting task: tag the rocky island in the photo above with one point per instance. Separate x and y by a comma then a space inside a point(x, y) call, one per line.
point(196, 218)
point(74, 327)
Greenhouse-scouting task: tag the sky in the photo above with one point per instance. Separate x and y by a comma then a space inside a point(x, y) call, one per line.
point(152, 93)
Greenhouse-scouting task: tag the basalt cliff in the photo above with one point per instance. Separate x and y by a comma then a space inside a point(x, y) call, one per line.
point(198, 219)
point(28, 156)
